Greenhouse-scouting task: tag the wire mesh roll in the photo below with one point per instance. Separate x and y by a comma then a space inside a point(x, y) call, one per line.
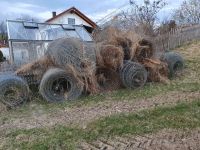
point(108, 79)
point(59, 85)
point(14, 91)
point(133, 75)
point(175, 62)
point(70, 51)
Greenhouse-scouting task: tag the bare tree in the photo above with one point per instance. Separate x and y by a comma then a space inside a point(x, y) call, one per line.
point(166, 26)
point(142, 17)
point(188, 12)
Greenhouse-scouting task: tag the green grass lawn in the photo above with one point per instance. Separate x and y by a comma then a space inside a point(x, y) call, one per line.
point(183, 116)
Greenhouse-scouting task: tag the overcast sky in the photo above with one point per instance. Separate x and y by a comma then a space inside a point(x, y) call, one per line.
point(95, 9)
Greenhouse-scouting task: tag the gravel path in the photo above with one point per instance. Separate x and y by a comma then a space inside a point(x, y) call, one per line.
point(86, 114)
point(164, 140)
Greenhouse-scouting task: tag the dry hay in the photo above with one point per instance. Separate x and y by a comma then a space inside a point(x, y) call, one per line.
point(135, 47)
point(126, 44)
point(127, 40)
point(123, 39)
point(143, 49)
point(38, 67)
point(108, 79)
point(106, 34)
point(158, 71)
point(88, 77)
point(109, 56)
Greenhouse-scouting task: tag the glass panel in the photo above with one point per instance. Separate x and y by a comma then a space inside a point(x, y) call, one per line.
point(85, 36)
point(43, 32)
point(25, 52)
point(68, 27)
point(56, 32)
point(18, 31)
point(30, 25)
point(72, 34)
point(25, 31)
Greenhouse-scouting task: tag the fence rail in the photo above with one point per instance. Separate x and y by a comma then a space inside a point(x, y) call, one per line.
point(176, 37)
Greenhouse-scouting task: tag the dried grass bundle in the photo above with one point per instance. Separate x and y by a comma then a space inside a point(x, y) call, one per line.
point(126, 44)
point(88, 77)
point(107, 34)
point(143, 49)
point(110, 56)
point(38, 67)
point(158, 71)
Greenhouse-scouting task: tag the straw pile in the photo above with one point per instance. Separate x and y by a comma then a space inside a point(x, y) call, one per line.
point(109, 56)
point(38, 67)
point(121, 58)
point(158, 71)
point(136, 49)
point(144, 49)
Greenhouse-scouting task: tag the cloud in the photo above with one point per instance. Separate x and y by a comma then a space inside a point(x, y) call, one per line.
point(16, 9)
point(12, 9)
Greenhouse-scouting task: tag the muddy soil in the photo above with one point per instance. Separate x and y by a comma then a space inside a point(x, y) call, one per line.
point(164, 140)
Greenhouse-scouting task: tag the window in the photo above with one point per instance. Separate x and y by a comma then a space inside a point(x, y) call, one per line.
point(71, 21)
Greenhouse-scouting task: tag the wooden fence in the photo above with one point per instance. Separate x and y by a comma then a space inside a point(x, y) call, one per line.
point(176, 37)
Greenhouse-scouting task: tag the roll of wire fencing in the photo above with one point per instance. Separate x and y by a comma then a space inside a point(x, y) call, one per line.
point(59, 85)
point(108, 79)
point(71, 51)
point(14, 91)
point(175, 63)
point(79, 55)
point(133, 75)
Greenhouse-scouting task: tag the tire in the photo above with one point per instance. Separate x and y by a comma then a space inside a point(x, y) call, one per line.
point(175, 62)
point(58, 85)
point(14, 91)
point(133, 75)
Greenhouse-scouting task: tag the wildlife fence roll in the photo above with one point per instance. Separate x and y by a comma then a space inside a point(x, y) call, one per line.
point(133, 75)
point(59, 85)
point(108, 79)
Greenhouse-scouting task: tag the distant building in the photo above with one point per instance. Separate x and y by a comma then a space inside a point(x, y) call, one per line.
point(72, 16)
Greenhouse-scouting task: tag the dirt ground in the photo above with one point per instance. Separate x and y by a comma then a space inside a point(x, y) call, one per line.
point(81, 116)
point(164, 140)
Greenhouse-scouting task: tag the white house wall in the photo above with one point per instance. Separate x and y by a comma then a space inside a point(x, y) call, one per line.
point(64, 19)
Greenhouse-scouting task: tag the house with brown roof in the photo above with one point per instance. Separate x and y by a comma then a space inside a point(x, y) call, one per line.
point(72, 16)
